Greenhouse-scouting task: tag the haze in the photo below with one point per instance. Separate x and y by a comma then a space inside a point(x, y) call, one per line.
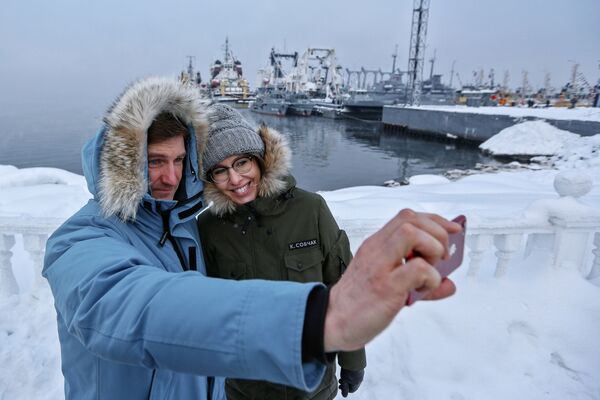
point(80, 54)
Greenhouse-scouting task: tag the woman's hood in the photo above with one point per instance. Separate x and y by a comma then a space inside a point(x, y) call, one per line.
point(277, 162)
point(115, 162)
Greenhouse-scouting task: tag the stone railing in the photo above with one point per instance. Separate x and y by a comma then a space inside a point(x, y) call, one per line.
point(563, 228)
point(569, 230)
point(569, 243)
point(30, 235)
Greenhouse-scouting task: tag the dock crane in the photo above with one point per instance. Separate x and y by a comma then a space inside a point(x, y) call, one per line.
point(276, 58)
point(416, 52)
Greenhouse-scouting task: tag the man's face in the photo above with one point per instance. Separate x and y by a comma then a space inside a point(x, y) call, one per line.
point(165, 167)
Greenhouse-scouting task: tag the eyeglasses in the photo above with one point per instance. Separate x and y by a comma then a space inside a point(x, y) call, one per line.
point(241, 165)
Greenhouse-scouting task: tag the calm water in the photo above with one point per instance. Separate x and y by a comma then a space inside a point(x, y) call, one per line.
point(327, 154)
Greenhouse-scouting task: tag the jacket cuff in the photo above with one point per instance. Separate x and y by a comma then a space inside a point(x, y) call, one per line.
point(314, 327)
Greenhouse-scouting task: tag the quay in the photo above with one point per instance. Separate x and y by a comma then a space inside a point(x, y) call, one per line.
point(478, 124)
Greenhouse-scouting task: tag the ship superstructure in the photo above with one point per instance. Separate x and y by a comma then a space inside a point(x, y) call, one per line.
point(227, 81)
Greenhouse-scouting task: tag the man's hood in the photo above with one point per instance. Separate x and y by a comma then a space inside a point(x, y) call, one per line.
point(115, 162)
point(276, 167)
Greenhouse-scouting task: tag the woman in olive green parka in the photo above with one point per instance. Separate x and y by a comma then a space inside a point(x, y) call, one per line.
point(261, 226)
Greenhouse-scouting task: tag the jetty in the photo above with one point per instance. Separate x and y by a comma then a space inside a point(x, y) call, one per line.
point(477, 124)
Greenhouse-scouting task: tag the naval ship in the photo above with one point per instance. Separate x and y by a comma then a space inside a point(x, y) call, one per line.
point(227, 82)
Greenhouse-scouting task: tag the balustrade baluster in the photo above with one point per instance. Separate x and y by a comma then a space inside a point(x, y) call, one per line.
point(8, 283)
point(35, 245)
point(507, 246)
point(477, 244)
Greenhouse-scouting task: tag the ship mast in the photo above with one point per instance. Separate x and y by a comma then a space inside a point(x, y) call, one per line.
point(505, 80)
point(226, 61)
point(432, 61)
point(190, 68)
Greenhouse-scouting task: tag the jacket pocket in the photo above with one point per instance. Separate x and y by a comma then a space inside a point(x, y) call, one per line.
point(305, 266)
point(232, 269)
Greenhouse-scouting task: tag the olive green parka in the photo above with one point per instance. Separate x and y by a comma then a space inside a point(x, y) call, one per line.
point(286, 233)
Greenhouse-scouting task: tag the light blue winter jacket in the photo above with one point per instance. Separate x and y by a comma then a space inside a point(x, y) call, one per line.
point(132, 323)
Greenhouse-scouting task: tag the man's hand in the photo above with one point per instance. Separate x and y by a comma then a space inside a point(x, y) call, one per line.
point(377, 282)
point(350, 380)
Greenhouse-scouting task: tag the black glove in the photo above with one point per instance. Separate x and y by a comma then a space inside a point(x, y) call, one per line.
point(350, 380)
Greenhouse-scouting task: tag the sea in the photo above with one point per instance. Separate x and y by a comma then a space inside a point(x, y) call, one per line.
point(327, 154)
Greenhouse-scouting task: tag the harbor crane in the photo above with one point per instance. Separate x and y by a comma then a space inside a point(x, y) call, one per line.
point(276, 58)
point(459, 80)
point(416, 52)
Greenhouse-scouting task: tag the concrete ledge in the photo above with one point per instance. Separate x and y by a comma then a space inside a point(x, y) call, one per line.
point(474, 127)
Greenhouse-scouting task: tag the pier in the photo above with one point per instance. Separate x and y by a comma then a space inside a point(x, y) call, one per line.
point(478, 124)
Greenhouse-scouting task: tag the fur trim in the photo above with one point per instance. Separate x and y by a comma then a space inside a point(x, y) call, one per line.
point(277, 162)
point(123, 181)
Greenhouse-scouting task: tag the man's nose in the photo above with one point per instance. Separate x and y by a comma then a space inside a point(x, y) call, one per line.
point(169, 175)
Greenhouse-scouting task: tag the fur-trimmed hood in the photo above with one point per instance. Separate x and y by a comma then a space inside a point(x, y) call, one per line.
point(115, 162)
point(277, 162)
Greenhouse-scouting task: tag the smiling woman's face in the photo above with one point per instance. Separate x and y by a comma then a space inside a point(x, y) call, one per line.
point(241, 188)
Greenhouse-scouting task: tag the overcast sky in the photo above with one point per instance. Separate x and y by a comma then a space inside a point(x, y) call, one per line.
point(84, 52)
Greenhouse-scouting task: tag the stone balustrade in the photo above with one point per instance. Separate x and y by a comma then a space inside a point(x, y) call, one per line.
point(571, 243)
point(31, 234)
point(570, 231)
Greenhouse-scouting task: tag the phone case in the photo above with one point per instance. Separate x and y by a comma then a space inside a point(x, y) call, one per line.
point(456, 248)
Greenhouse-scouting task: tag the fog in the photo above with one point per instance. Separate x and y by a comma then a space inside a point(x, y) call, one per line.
point(73, 55)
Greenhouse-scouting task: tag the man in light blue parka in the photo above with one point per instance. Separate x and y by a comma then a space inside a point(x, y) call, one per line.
point(137, 318)
point(130, 326)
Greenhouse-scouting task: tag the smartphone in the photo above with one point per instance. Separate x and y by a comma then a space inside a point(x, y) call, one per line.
point(456, 248)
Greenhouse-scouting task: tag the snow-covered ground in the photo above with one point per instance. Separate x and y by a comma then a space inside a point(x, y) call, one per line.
point(579, 113)
point(532, 334)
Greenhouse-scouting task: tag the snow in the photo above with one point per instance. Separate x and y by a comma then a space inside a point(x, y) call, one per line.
point(521, 139)
point(579, 113)
point(555, 147)
point(41, 192)
point(427, 179)
point(531, 334)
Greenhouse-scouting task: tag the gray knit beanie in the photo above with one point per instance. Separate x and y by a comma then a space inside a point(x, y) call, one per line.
point(229, 134)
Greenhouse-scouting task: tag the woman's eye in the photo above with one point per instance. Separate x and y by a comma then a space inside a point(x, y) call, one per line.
point(241, 163)
point(219, 172)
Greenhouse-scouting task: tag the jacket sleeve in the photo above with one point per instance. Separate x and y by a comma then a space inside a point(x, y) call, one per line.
point(124, 308)
point(336, 248)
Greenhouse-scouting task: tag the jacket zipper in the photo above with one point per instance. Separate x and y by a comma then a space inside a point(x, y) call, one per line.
point(167, 235)
point(210, 384)
point(151, 383)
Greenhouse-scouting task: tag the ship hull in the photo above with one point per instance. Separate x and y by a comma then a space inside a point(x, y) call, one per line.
point(270, 109)
point(304, 110)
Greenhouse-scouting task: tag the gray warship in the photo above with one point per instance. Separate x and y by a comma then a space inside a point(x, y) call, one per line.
point(271, 102)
